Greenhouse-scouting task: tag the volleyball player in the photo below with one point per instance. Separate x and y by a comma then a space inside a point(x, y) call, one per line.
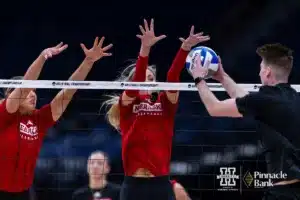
point(99, 187)
point(179, 191)
point(276, 109)
point(23, 127)
point(146, 121)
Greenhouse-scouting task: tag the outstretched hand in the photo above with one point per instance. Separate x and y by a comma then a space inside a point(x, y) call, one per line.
point(52, 51)
point(148, 37)
point(197, 70)
point(97, 51)
point(193, 39)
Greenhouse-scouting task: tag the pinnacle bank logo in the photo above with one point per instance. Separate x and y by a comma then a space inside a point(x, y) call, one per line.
point(258, 179)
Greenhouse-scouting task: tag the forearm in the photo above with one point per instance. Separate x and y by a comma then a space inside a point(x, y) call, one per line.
point(19, 94)
point(63, 98)
point(140, 70)
point(177, 65)
point(209, 100)
point(232, 88)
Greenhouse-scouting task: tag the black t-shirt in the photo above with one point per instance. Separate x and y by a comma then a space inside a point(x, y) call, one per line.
point(277, 110)
point(109, 192)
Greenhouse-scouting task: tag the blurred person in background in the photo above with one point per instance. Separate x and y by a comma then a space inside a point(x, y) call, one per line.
point(179, 191)
point(23, 127)
point(276, 109)
point(146, 121)
point(99, 187)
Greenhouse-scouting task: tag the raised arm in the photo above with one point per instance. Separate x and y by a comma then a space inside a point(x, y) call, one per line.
point(232, 89)
point(180, 192)
point(63, 98)
point(148, 39)
point(15, 98)
point(179, 60)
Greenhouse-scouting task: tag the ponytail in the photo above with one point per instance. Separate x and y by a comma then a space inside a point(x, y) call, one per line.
point(113, 113)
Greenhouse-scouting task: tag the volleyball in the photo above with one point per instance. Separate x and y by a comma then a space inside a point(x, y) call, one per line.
point(207, 55)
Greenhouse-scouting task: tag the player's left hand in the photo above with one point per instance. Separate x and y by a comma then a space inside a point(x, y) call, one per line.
point(53, 51)
point(97, 51)
point(219, 75)
point(193, 39)
point(197, 70)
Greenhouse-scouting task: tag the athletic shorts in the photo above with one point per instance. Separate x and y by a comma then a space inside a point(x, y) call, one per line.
point(14, 195)
point(283, 192)
point(154, 188)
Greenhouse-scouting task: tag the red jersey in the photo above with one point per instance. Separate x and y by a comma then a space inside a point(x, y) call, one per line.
point(21, 139)
point(147, 131)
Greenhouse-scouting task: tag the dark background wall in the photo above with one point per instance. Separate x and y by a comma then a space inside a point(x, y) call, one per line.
point(201, 144)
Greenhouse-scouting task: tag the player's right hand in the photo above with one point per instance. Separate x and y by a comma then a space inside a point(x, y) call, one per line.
point(148, 37)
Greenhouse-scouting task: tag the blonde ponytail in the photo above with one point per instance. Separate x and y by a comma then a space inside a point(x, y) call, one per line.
point(113, 113)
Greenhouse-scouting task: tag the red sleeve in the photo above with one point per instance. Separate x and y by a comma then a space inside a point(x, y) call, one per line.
point(177, 66)
point(126, 109)
point(139, 75)
point(5, 117)
point(169, 107)
point(44, 117)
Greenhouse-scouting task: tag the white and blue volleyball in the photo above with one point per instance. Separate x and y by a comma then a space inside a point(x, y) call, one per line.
point(207, 55)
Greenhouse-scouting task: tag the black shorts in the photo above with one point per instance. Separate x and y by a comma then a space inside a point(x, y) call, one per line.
point(14, 195)
point(155, 188)
point(283, 192)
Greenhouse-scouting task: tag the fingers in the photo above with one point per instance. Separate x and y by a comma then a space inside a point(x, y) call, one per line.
point(199, 34)
point(160, 37)
point(198, 61)
point(142, 30)
point(206, 65)
point(96, 41)
point(152, 25)
point(59, 45)
point(203, 38)
point(107, 54)
point(64, 47)
point(139, 36)
point(192, 30)
point(101, 41)
point(83, 47)
point(107, 47)
point(182, 39)
point(146, 25)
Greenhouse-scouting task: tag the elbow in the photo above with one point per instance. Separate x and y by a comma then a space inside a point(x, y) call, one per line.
point(213, 110)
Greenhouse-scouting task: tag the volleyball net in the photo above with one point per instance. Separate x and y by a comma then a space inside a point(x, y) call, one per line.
point(202, 147)
point(113, 85)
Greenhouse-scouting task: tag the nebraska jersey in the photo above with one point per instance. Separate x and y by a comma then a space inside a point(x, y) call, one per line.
point(21, 138)
point(147, 132)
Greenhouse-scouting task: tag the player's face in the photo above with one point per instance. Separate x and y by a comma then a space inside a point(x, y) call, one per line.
point(264, 73)
point(97, 165)
point(150, 77)
point(29, 103)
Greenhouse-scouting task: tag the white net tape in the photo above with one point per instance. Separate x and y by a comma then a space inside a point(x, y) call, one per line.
point(112, 85)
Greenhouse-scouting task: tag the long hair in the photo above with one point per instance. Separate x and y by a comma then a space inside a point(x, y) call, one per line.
point(113, 113)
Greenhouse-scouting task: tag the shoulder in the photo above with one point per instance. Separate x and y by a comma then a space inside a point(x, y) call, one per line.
point(81, 191)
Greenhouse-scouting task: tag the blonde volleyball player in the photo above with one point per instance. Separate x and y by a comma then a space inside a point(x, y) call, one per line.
point(23, 127)
point(146, 121)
